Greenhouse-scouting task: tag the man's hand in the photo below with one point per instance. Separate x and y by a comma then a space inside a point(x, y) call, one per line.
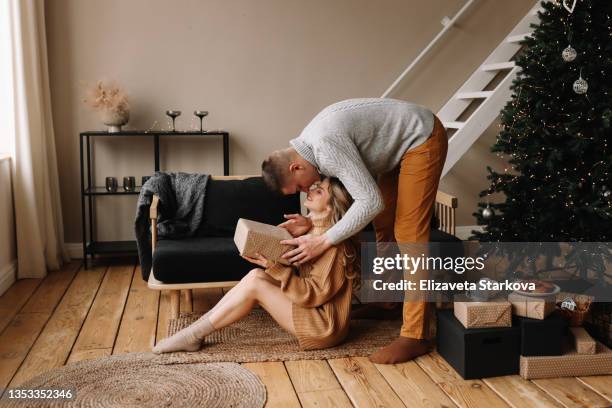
point(308, 247)
point(258, 260)
point(296, 224)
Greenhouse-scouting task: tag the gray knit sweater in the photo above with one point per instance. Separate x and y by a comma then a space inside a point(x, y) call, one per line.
point(356, 140)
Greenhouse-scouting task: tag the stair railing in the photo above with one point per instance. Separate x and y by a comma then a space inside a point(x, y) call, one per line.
point(447, 25)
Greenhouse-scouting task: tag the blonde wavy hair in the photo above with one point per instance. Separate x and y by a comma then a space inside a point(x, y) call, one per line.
point(340, 201)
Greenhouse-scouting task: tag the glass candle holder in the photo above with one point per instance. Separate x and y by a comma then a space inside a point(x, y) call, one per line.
point(111, 184)
point(129, 183)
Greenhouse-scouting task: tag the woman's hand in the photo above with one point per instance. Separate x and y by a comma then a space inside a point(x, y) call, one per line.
point(296, 224)
point(308, 247)
point(258, 260)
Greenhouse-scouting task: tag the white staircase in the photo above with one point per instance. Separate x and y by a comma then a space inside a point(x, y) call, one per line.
point(468, 125)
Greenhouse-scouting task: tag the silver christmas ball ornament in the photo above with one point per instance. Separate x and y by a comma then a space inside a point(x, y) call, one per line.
point(606, 193)
point(569, 54)
point(487, 213)
point(581, 86)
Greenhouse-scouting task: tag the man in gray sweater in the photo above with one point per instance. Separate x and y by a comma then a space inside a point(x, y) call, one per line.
point(389, 155)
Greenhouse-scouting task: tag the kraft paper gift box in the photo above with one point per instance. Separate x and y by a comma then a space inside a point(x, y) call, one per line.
point(477, 353)
point(570, 364)
point(534, 307)
point(583, 342)
point(252, 237)
point(479, 315)
point(542, 337)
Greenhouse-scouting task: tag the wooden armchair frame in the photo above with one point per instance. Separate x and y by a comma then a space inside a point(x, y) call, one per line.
point(444, 209)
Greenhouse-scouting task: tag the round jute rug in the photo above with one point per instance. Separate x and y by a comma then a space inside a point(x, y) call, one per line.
point(133, 380)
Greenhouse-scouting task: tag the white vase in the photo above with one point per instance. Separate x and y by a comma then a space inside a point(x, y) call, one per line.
point(114, 119)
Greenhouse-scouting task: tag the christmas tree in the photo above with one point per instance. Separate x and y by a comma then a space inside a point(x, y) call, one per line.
point(556, 133)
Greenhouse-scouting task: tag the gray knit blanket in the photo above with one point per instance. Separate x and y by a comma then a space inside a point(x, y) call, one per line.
point(180, 210)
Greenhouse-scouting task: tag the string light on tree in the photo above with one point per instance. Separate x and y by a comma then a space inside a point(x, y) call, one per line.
point(555, 133)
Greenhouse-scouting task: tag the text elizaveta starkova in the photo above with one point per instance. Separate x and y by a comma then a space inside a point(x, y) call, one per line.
point(433, 285)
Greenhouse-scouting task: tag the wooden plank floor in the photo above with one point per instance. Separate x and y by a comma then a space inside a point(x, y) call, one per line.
point(76, 314)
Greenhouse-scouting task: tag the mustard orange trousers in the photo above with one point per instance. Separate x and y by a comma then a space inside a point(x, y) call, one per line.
point(409, 193)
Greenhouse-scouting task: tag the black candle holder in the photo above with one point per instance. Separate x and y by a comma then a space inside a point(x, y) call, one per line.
point(129, 183)
point(111, 184)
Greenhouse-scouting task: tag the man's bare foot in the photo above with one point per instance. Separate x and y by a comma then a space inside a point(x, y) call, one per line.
point(377, 311)
point(401, 350)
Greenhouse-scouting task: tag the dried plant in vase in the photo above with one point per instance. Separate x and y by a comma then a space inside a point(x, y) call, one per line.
point(111, 103)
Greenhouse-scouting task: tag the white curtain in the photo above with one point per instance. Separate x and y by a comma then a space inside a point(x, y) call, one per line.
point(38, 217)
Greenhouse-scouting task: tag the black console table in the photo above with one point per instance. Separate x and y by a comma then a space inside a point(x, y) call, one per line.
point(89, 192)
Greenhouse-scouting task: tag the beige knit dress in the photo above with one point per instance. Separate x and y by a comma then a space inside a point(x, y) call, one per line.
point(320, 293)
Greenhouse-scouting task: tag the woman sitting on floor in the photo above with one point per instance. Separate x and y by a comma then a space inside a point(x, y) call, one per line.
point(313, 304)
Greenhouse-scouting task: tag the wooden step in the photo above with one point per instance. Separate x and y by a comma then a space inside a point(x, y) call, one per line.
point(517, 38)
point(498, 66)
point(453, 125)
point(474, 95)
point(484, 114)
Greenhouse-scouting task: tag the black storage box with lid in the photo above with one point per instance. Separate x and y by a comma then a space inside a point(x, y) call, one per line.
point(478, 353)
point(542, 337)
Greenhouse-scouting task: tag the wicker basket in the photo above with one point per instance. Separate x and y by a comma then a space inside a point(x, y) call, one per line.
point(578, 316)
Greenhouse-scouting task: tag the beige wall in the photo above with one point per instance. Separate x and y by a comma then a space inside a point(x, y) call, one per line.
point(262, 68)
